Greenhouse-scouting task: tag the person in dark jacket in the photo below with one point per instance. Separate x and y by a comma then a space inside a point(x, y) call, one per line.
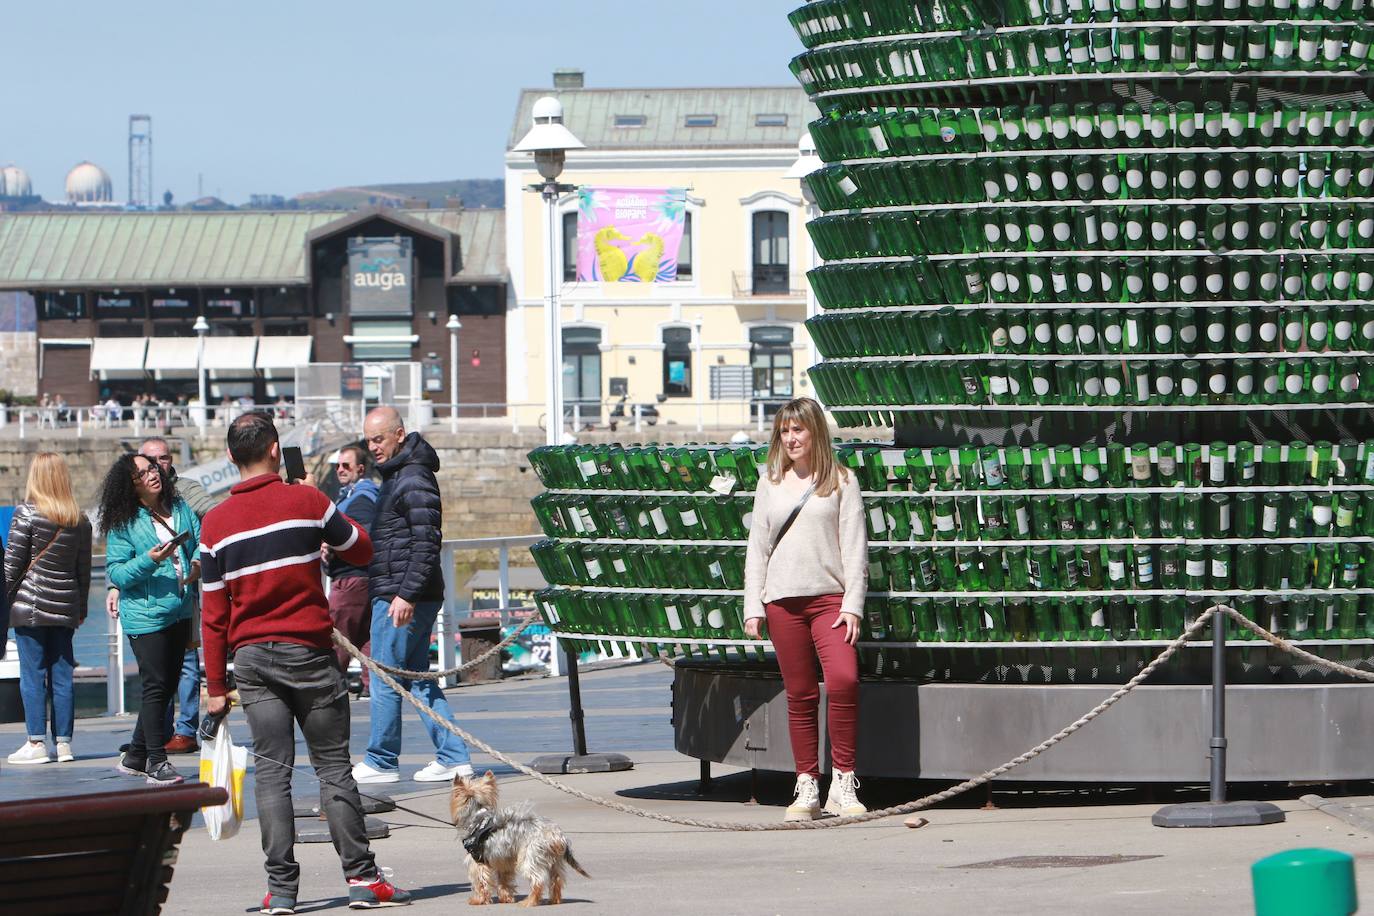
point(406, 585)
point(48, 568)
point(349, 606)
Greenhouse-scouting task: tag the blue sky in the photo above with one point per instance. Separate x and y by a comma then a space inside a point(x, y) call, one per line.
point(296, 95)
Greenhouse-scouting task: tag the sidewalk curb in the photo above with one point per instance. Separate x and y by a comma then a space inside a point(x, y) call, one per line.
point(1335, 809)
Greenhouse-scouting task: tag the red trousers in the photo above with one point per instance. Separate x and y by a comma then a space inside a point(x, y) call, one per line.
point(801, 630)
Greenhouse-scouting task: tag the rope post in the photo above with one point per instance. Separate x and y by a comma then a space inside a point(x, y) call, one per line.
point(580, 761)
point(1217, 811)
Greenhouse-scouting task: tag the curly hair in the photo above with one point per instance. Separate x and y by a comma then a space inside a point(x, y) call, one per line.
point(119, 501)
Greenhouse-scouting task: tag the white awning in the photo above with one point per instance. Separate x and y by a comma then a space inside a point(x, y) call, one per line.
point(171, 353)
point(283, 352)
point(233, 354)
point(118, 354)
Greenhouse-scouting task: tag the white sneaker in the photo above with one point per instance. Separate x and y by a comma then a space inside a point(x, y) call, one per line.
point(841, 799)
point(437, 772)
point(64, 752)
point(807, 807)
point(366, 775)
point(32, 752)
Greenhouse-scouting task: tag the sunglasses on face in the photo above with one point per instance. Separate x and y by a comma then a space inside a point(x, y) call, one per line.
point(149, 471)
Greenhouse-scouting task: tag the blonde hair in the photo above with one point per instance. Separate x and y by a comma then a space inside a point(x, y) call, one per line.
point(50, 490)
point(825, 470)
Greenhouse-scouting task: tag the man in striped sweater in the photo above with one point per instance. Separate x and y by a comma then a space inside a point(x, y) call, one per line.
point(264, 604)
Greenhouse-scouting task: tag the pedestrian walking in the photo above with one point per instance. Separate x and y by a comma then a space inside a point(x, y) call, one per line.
point(48, 576)
point(806, 573)
point(151, 556)
point(348, 601)
point(406, 586)
point(265, 606)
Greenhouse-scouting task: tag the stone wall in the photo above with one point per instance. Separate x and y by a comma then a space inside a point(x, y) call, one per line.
point(19, 362)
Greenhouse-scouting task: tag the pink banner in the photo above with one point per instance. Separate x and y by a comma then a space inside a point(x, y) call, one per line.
point(629, 235)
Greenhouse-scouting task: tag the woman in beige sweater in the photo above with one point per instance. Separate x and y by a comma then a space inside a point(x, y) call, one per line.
point(809, 579)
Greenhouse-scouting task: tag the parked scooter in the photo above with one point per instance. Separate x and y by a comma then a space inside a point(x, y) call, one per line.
point(648, 413)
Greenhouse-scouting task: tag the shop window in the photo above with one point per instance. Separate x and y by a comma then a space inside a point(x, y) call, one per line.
point(119, 305)
point(582, 370)
point(62, 305)
point(382, 340)
point(286, 301)
point(770, 252)
point(770, 356)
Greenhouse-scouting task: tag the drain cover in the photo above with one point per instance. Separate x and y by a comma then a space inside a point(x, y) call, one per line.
point(1055, 861)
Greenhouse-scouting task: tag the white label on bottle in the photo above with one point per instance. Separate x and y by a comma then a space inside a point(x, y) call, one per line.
point(1112, 334)
point(1111, 385)
point(1216, 332)
point(747, 520)
point(1116, 570)
point(697, 615)
point(1036, 233)
point(724, 484)
point(618, 565)
point(1160, 279)
point(1062, 232)
point(715, 619)
point(1187, 284)
point(1142, 388)
point(1204, 52)
point(1040, 384)
point(660, 523)
point(1086, 334)
point(1264, 176)
point(1159, 179)
point(1271, 384)
point(1292, 383)
point(1131, 128)
point(993, 232)
point(1289, 177)
point(1292, 331)
point(1283, 46)
point(1132, 333)
point(1195, 567)
point(1187, 333)
point(1064, 334)
point(1111, 185)
point(1350, 382)
point(1017, 335)
point(1163, 333)
point(1240, 282)
point(593, 569)
point(575, 516)
point(689, 518)
point(1187, 386)
point(1217, 384)
point(1220, 569)
point(674, 621)
point(1035, 128)
point(1022, 520)
point(1043, 333)
point(1159, 230)
point(1321, 514)
point(1321, 383)
point(1343, 329)
point(1151, 51)
point(878, 520)
point(588, 468)
point(1164, 384)
point(1269, 520)
point(1240, 179)
point(1269, 331)
point(1187, 179)
point(1245, 384)
point(1135, 230)
point(1135, 178)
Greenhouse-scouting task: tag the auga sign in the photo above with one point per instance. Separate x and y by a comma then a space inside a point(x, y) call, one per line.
point(380, 275)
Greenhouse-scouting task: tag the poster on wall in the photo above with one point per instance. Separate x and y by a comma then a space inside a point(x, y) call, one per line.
point(629, 235)
point(380, 276)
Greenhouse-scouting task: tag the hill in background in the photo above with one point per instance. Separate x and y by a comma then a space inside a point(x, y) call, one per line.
point(475, 193)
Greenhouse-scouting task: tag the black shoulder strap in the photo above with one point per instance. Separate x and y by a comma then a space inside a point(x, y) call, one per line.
point(796, 510)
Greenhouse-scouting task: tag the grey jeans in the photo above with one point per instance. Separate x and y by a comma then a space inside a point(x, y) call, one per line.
point(283, 684)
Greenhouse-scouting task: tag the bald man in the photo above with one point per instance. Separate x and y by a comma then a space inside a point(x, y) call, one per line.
point(406, 588)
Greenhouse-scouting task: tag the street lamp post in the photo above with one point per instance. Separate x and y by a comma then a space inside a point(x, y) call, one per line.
point(453, 326)
point(807, 162)
point(550, 141)
point(201, 327)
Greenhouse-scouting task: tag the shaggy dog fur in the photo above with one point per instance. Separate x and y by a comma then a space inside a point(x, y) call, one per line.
point(514, 841)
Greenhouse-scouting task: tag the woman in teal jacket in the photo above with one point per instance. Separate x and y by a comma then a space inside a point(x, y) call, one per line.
point(156, 577)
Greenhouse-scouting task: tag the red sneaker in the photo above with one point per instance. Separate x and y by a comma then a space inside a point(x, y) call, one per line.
point(375, 892)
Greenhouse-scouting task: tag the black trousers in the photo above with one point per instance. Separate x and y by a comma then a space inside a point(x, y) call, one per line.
point(160, 654)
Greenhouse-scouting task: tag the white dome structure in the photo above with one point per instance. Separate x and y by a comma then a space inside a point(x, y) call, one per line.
point(14, 182)
point(88, 183)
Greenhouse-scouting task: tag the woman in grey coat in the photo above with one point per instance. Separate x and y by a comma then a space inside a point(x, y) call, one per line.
point(48, 571)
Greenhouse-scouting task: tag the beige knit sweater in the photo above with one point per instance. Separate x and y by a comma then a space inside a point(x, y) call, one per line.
point(825, 551)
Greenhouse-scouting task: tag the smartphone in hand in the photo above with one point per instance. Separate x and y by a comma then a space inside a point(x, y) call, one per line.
point(177, 541)
point(294, 463)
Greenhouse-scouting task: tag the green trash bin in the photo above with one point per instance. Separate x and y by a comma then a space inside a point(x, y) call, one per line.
point(1305, 882)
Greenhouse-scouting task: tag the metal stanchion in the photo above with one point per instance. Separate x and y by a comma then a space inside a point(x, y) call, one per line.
point(579, 761)
point(1217, 811)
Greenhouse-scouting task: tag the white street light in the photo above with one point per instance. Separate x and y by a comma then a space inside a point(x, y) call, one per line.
point(550, 141)
point(807, 162)
point(201, 327)
point(453, 326)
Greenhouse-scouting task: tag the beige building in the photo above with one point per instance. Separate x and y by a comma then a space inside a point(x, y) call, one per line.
point(728, 335)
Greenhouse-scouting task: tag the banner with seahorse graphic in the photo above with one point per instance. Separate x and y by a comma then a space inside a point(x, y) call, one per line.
point(629, 235)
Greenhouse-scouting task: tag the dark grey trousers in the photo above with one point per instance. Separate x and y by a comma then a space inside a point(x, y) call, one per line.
point(282, 685)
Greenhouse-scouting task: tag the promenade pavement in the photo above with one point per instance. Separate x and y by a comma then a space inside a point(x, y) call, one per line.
point(1017, 858)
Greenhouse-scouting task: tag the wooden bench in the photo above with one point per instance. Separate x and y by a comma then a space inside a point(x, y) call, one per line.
point(111, 852)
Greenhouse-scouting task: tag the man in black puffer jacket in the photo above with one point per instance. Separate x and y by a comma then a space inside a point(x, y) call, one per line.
point(406, 587)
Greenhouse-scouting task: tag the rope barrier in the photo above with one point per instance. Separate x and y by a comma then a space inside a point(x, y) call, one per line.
point(447, 672)
point(907, 808)
point(924, 802)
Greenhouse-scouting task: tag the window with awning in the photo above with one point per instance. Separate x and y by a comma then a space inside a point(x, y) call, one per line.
point(231, 355)
point(118, 357)
point(170, 354)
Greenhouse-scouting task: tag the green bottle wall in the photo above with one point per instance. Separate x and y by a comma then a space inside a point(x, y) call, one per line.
point(1105, 269)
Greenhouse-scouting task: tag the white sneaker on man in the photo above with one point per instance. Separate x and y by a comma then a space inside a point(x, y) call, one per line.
point(365, 775)
point(32, 752)
point(437, 772)
point(64, 752)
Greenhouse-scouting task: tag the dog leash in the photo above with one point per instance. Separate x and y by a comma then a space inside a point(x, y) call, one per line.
point(210, 724)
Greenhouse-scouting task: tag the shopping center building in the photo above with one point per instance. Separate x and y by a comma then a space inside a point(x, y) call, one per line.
point(117, 296)
point(728, 334)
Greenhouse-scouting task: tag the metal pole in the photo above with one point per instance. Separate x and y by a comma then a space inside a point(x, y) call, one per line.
point(446, 619)
point(1218, 743)
point(21, 423)
point(579, 728)
point(503, 580)
point(554, 425)
point(638, 418)
point(453, 381)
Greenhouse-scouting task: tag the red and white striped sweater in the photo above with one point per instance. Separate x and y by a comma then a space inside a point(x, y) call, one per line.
point(260, 568)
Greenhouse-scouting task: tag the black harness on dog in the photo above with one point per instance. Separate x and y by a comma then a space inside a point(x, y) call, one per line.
point(476, 840)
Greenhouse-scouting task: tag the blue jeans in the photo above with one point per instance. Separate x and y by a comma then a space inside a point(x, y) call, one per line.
point(407, 647)
point(46, 664)
point(188, 695)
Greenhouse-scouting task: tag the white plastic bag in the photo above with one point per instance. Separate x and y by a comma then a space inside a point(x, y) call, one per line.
point(222, 764)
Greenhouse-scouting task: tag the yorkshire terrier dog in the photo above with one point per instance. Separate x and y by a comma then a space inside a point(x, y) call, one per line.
point(503, 841)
